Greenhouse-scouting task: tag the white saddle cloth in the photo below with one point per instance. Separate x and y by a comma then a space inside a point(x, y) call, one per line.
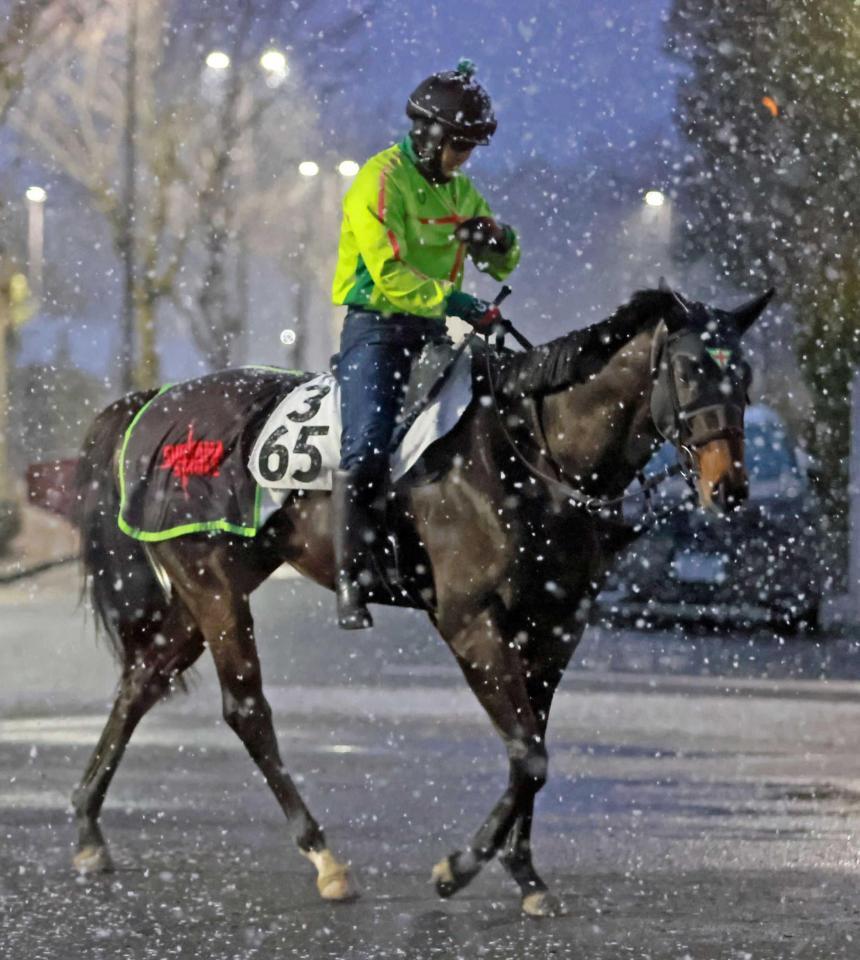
point(299, 445)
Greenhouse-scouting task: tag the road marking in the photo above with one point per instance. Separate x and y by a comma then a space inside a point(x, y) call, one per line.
point(424, 671)
point(83, 731)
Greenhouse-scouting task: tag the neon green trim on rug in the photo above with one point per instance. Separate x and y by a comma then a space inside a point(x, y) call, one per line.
point(208, 526)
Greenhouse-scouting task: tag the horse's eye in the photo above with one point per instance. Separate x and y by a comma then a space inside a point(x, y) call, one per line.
point(684, 370)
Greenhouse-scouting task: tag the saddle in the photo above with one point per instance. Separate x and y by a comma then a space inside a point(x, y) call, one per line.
point(199, 456)
point(299, 445)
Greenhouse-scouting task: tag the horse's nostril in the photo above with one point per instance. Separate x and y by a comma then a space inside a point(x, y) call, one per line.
point(730, 496)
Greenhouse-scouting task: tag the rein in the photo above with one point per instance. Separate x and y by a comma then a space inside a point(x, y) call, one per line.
point(591, 504)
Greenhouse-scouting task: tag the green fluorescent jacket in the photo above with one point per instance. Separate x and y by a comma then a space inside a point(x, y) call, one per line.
point(397, 251)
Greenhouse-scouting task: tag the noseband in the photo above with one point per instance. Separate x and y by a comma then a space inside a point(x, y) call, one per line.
point(711, 416)
point(686, 427)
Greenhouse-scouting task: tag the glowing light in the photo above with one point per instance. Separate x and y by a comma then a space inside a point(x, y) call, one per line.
point(36, 195)
point(347, 168)
point(307, 168)
point(288, 337)
point(273, 61)
point(771, 105)
point(218, 60)
point(655, 198)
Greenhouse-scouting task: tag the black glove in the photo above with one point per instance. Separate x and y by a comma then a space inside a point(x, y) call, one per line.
point(484, 234)
point(480, 313)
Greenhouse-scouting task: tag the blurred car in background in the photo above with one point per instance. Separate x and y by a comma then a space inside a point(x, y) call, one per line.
point(764, 563)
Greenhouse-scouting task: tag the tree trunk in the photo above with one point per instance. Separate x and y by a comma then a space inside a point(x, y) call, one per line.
point(10, 513)
point(147, 371)
point(5, 326)
point(129, 176)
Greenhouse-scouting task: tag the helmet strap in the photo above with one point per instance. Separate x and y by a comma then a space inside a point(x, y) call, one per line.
point(428, 138)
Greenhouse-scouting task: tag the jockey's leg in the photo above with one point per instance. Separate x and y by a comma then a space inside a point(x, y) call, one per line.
point(355, 529)
point(372, 370)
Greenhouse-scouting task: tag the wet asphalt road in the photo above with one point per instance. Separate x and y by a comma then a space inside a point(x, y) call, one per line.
point(704, 798)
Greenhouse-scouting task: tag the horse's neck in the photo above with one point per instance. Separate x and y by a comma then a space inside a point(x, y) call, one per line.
point(600, 432)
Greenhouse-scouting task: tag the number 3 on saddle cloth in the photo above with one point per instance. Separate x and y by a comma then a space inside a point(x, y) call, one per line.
point(299, 446)
point(199, 455)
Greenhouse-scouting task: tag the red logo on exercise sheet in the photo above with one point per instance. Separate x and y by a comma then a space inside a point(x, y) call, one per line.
point(193, 458)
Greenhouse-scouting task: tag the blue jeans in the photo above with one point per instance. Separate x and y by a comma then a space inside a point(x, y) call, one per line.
point(372, 369)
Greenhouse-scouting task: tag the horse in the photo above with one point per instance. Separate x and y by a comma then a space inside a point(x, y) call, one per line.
point(517, 526)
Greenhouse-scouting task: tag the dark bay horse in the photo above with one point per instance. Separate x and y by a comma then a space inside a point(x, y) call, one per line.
point(514, 554)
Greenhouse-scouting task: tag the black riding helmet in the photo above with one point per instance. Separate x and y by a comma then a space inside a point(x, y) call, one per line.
point(448, 106)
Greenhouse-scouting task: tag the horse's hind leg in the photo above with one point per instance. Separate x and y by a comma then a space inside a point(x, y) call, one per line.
point(225, 618)
point(164, 651)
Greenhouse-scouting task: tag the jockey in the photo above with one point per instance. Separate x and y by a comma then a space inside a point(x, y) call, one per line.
point(409, 220)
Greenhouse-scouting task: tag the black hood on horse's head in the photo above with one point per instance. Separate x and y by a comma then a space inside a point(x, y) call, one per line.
point(690, 314)
point(745, 316)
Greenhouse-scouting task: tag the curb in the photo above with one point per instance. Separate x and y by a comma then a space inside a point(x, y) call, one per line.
point(35, 569)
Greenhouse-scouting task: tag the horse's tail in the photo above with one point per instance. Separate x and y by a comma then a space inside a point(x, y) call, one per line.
point(124, 593)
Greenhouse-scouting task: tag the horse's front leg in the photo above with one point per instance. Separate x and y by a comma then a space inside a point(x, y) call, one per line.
point(544, 669)
point(537, 901)
point(493, 669)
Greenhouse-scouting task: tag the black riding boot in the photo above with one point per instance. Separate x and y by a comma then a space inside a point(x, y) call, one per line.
point(355, 527)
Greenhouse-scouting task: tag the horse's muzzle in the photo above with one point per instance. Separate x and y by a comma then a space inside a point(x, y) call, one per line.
point(722, 481)
point(729, 494)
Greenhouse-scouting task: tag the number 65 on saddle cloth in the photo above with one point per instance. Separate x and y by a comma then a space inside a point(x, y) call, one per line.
point(185, 457)
point(299, 445)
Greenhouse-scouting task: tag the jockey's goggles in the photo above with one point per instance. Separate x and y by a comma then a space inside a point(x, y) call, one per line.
point(459, 145)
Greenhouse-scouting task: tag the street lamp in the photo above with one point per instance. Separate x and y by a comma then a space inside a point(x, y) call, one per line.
point(35, 197)
point(307, 168)
point(275, 65)
point(655, 198)
point(217, 60)
point(347, 168)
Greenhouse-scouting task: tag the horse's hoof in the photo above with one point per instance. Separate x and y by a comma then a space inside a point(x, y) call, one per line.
point(453, 873)
point(444, 879)
point(543, 904)
point(334, 881)
point(90, 860)
point(337, 886)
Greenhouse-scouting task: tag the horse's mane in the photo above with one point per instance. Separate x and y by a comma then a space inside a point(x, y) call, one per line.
point(580, 354)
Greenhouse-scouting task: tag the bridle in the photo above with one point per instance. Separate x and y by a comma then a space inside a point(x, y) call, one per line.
point(714, 414)
point(686, 426)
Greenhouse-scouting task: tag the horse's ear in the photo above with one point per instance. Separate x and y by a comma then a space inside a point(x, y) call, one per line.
point(674, 318)
point(747, 315)
point(658, 344)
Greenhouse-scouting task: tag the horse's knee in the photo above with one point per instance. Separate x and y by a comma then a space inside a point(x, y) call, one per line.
point(240, 713)
point(517, 850)
point(529, 765)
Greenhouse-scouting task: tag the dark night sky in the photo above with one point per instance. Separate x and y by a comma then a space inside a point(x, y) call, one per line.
point(582, 87)
point(567, 76)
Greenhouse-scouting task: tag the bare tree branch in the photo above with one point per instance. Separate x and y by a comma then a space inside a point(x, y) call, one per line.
point(216, 152)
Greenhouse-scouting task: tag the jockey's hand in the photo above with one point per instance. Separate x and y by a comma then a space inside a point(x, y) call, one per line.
point(480, 313)
point(484, 234)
